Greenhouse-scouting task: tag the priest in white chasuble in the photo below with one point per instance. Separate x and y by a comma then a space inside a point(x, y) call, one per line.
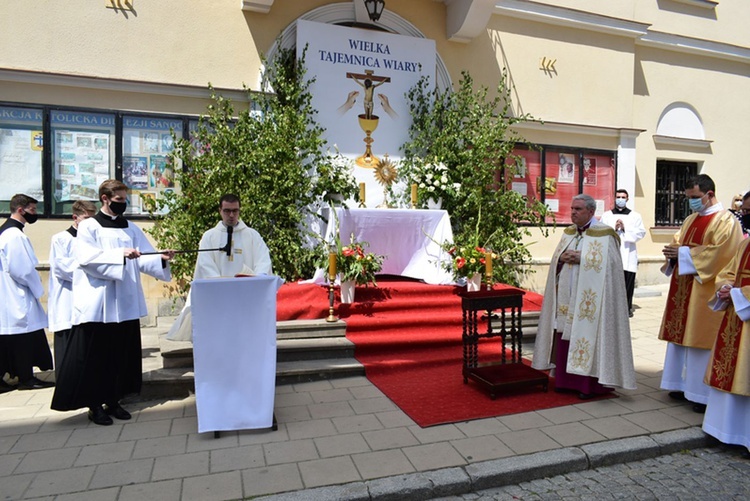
point(584, 330)
point(246, 254)
point(728, 373)
point(102, 359)
point(703, 246)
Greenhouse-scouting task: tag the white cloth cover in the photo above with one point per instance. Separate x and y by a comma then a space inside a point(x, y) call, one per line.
point(684, 369)
point(726, 417)
point(409, 239)
point(634, 231)
point(20, 285)
point(234, 349)
point(60, 295)
point(250, 256)
point(107, 286)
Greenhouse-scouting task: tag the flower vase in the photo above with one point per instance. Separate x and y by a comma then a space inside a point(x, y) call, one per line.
point(347, 291)
point(474, 283)
point(434, 204)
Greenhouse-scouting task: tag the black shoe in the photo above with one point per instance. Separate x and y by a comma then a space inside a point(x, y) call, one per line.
point(586, 396)
point(745, 454)
point(5, 387)
point(34, 384)
point(98, 416)
point(699, 408)
point(118, 412)
point(630, 314)
point(677, 395)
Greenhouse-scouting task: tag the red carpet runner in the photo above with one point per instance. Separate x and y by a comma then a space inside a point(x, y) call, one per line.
point(408, 336)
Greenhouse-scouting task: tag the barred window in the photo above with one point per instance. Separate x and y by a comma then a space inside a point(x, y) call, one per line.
point(671, 180)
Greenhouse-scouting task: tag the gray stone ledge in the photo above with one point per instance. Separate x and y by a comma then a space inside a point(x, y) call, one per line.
point(621, 451)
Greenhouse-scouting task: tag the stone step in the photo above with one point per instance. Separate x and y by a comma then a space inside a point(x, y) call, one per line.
point(180, 382)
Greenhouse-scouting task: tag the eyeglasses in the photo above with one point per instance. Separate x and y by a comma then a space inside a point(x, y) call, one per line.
point(230, 211)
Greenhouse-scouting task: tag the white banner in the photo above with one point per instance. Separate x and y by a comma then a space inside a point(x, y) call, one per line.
point(361, 81)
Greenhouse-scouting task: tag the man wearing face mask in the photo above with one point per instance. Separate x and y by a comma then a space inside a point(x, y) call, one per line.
point(23, 343)
point(248, 255)
point(629, 227)
point(703, 246)
point(102, 359)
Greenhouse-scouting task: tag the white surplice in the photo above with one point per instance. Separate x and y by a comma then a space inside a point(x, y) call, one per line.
point(21, 287)
point(107, 286)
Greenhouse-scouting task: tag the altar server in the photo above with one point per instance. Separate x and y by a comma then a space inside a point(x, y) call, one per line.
point(248, 255)
point(584, 331)
point(61, 266)
point(102, 361)
point(23, 343)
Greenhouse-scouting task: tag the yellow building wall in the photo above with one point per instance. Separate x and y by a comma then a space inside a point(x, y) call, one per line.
point(600, 79)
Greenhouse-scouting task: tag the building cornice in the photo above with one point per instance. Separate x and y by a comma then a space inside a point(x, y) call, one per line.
point(117, 85)
point(695, 46)
point(261, 6)
point(578, 129)
point(560, 16)
point(705, 4)
point(682, 142)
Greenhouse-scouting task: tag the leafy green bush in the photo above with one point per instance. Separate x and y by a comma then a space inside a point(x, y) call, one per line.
point(273, 157)
point(471, 134)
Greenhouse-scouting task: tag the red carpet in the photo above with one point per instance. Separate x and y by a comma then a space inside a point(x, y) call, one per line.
point(408, 336)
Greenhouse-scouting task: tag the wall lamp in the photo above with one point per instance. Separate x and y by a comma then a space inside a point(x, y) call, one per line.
point(374, 9)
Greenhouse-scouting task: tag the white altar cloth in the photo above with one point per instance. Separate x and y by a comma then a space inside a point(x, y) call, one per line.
point(408, 238)
point(234, 351)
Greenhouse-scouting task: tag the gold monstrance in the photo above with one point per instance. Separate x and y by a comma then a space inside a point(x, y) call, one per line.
point(368, 122)
point(385, 173)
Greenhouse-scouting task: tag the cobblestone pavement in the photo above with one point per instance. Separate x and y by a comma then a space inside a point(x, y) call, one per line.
point(716, 473)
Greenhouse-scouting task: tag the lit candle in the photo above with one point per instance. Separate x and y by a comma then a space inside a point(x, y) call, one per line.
point(361, 193)
point(414, 194)
point(488, 265)
point(332, 266)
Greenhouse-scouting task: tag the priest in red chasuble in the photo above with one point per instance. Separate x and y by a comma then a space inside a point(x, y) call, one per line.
point(703, 246)
point(728, 374)
point(584, 330)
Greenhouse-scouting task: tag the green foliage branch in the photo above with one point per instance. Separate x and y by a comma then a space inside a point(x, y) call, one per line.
point(470, 132)
point(271, 155)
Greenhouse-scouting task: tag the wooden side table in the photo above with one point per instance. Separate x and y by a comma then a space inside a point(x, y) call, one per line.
point(509, 372)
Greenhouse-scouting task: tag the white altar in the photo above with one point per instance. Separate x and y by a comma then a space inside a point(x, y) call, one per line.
point(409, 239)
point(234, 351)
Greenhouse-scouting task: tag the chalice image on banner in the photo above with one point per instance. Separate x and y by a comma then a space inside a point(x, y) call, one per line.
point(368, 121)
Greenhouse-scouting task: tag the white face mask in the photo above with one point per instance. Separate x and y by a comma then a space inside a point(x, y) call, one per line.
point(620, 203)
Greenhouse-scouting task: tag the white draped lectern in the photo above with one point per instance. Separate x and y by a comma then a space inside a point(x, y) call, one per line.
point(234, 351)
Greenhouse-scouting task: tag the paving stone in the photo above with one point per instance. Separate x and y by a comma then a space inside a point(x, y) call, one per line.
point(53, 459)
point(59, 482)
point(339, 445)
point(271, 480)
point(218, 486)
point(337, 470)
point(356, 491)
point(382, 463)
point(122, 473)
point(181, 466)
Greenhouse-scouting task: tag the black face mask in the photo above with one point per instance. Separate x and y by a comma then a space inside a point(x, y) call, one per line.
point(118, 208)
point(30, 218)
point(746, 220)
